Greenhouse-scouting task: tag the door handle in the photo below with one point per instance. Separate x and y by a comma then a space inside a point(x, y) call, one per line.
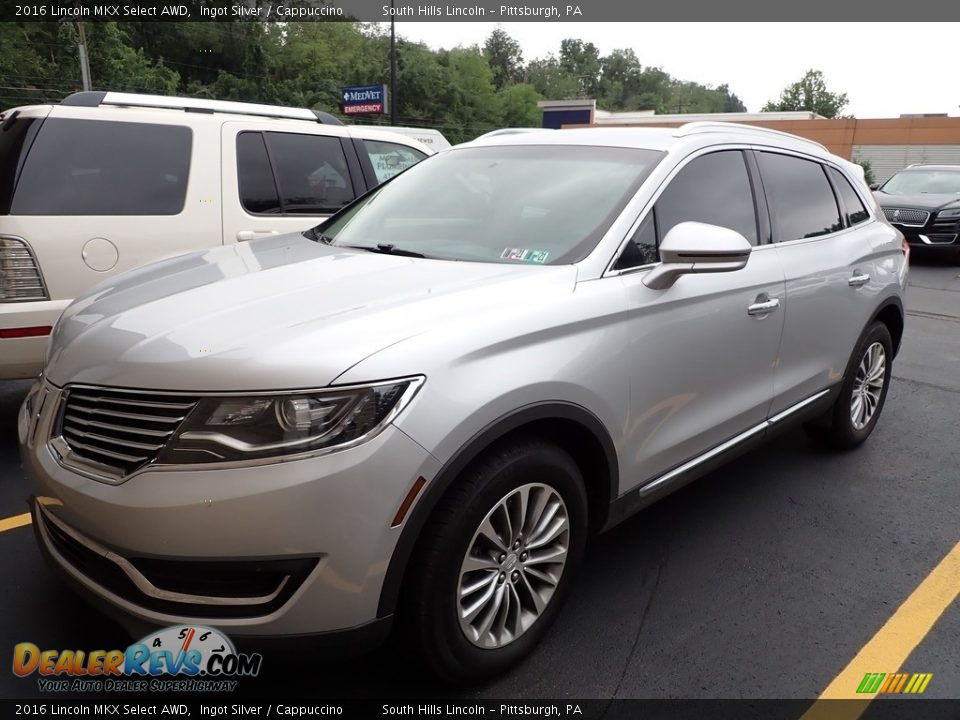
point(858, 279)
point(248, 235)
point(763, 306)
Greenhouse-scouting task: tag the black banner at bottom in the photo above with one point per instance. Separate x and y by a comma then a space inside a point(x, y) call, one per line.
point(174, 706)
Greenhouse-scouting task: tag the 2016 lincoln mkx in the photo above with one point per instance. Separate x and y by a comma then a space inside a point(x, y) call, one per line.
point(417, 412)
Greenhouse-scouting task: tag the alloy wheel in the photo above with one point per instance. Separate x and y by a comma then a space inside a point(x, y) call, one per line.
point(513, 565)
point(868, 386)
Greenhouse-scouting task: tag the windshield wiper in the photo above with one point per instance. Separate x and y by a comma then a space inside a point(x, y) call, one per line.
point(386, 249)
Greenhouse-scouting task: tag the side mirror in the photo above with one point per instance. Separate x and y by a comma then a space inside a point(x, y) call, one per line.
point(874, 186)
point(693, 247)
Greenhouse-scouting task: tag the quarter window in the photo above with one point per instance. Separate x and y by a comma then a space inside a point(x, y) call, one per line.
point(100, 167)
point(856, 212)
point(800, 197)
point(389, 159)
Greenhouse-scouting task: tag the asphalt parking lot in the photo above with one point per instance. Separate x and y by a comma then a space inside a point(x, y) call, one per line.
point(762, 580)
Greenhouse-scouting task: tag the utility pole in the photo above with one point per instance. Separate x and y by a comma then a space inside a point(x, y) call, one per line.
point(84, 59)
point(393, 66)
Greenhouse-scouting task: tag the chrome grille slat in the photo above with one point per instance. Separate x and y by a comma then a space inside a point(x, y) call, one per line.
point(95, 437)
point(74, 419)
point(118, 431)
point(138, 403)
point(77, 445)
point(126, 415)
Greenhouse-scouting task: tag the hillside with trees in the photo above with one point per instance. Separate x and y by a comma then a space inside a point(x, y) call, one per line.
point(462, 91)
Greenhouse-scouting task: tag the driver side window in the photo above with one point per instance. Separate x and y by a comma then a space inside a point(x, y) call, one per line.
point(713, 189)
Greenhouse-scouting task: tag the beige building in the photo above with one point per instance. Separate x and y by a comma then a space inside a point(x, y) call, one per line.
point(889, 145)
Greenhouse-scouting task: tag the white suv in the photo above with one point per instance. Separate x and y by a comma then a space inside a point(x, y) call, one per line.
point(106, 182)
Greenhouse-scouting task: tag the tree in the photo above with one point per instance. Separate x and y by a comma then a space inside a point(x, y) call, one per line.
point(519, 106)
point(581, 61)
point(809, 93)
point(504, 58)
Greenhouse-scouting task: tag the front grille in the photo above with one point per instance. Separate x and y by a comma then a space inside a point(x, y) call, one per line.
point(199, 588)
point(20, 277)
point(907, 216)
point(119, 431)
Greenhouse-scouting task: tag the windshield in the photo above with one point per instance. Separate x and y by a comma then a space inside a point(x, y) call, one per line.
point(919, 182)
point(546, 204)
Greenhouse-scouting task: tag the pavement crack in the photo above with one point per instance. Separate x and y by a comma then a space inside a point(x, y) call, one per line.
point(643, 621)
point(926, 384)
point(933, 315)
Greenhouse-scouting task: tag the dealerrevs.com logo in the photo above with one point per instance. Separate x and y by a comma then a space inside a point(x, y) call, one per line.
point(180, 658)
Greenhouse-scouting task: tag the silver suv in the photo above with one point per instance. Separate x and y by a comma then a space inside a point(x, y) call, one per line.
point(419, 410)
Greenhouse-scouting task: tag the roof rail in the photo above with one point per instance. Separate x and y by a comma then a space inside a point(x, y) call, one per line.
point(707, 126)
point(98, 98)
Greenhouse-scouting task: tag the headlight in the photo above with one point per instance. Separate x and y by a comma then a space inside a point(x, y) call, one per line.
point(225, 429)
point(951, 213)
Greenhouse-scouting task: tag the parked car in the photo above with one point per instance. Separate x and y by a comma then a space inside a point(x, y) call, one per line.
point(430, 137)
point(923, 202)
point(106, 182)
point(418, 411)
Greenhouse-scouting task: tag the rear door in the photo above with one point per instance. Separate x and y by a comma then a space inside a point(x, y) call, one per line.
point(827, 261)
point(278, 181)
point(98, 195)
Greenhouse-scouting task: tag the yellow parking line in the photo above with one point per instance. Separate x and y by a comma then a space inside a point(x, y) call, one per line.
point(893, 643)
point(14, 522)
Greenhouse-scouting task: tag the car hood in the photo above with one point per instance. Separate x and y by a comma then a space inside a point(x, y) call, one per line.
point(280, 313)
point(922, 201)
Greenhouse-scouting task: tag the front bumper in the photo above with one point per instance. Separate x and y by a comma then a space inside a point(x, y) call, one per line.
point(291, 549)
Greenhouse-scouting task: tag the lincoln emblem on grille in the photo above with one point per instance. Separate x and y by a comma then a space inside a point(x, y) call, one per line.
point(896, 214)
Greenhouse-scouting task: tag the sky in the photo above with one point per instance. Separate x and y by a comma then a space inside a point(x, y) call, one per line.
point(886, 69)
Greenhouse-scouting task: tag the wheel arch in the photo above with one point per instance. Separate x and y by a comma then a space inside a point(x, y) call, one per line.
point(891, 313)
point(576, 430)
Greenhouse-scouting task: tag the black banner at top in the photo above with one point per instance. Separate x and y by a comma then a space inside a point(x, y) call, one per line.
point(498, 11)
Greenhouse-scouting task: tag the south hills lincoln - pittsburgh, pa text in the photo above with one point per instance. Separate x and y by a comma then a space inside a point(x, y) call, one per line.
point(515, 11)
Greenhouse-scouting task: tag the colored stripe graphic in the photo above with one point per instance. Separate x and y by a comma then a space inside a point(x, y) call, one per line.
point(870, 683)
point(893, 683)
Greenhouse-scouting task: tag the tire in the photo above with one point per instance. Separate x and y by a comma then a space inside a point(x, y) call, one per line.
point(839, 428)
point(443, 627)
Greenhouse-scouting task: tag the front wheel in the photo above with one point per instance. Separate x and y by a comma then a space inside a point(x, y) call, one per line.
point(495, 563)
point(862, 395)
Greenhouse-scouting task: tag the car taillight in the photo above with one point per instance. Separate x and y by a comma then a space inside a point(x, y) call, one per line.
point(20, 277)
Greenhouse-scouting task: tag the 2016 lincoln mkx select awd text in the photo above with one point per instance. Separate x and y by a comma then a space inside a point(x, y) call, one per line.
point(417, 412)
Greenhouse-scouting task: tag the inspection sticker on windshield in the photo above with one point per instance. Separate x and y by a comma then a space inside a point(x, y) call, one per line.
point(534, 256)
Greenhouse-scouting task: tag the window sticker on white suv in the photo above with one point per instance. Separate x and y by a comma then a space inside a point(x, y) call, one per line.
point(534, 256)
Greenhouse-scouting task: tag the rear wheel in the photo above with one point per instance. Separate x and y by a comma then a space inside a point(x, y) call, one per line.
point(495, 563)
point(856, 411)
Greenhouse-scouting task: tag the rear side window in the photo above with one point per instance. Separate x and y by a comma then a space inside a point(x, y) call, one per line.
point(311, 172)
point(98, 167)
point(800, 197)
point(853, 205)
point(14, 145)
point(389, 159)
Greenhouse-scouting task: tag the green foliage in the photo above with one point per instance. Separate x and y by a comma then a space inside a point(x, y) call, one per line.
point(809, 93)
point(504, 57)
point(463, 92)
point(867, 170)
